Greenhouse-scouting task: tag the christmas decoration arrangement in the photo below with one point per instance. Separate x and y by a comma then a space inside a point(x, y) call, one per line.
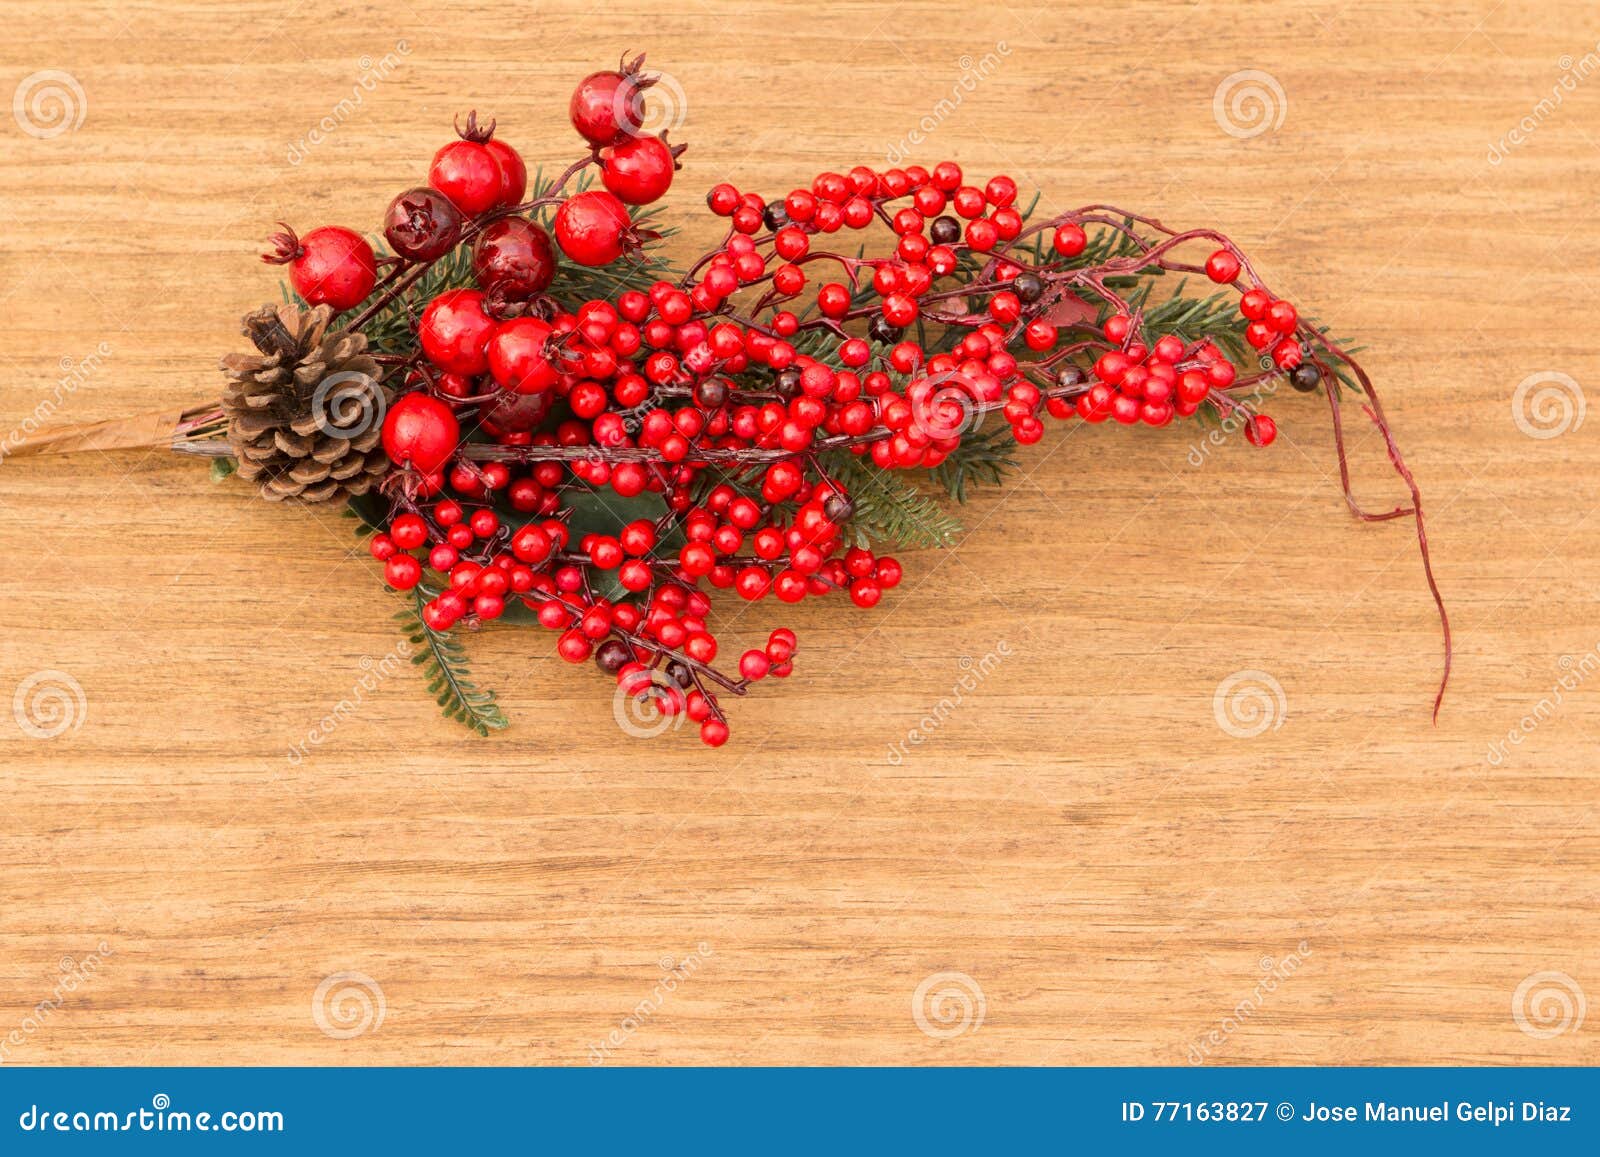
point(538, 418)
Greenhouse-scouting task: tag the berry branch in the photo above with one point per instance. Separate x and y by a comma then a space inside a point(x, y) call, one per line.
point(583, 436)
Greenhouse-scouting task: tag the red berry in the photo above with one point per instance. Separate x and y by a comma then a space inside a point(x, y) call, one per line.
point(865, 592)
point(513, 172)
point(607, 106)
point(402, 572)
point(408, 531)
point(1282, 317)
point(1070, 240)
point(514, 257)
point(519, 358)
point(531, 544)
point(328, 266)
point(1222, 267)
point(422, 224)
point(592, 228)
point(1260, 431)
point(752, 664)
point(467, 173)
point(714, 733)
point(455, 332)
point(638, 170)
point(574, 647)
point(420, 430)
point(1253, 305)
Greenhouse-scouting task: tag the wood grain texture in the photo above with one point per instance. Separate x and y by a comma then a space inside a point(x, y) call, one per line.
point(1079, 837)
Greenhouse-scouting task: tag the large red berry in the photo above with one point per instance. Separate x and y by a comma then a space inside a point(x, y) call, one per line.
point(639, 170)
point(592, 228)
point(466, 172)
point(455, 332)
point(421, 430)
point(514, 257)
point(607, 106)
point(513, 171)
point(328, 266)
point(518, 357)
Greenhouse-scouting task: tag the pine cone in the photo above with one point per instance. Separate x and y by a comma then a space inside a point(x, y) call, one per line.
point(305, 416)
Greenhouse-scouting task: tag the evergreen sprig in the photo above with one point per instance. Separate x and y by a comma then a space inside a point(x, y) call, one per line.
point(888, 507)
point(982, 459)
point(444, 664)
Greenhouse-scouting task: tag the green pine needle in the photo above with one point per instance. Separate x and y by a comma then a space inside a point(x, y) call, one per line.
point(443, 661)
point(982, 459)
point(888, 507)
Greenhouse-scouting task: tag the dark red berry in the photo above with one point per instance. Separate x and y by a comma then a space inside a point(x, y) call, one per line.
point(513, 259)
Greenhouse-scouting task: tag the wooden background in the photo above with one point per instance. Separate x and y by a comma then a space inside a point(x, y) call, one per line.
point(1080, 839)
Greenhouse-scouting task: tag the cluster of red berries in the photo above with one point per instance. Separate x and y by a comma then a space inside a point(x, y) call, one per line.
point(719, 392)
